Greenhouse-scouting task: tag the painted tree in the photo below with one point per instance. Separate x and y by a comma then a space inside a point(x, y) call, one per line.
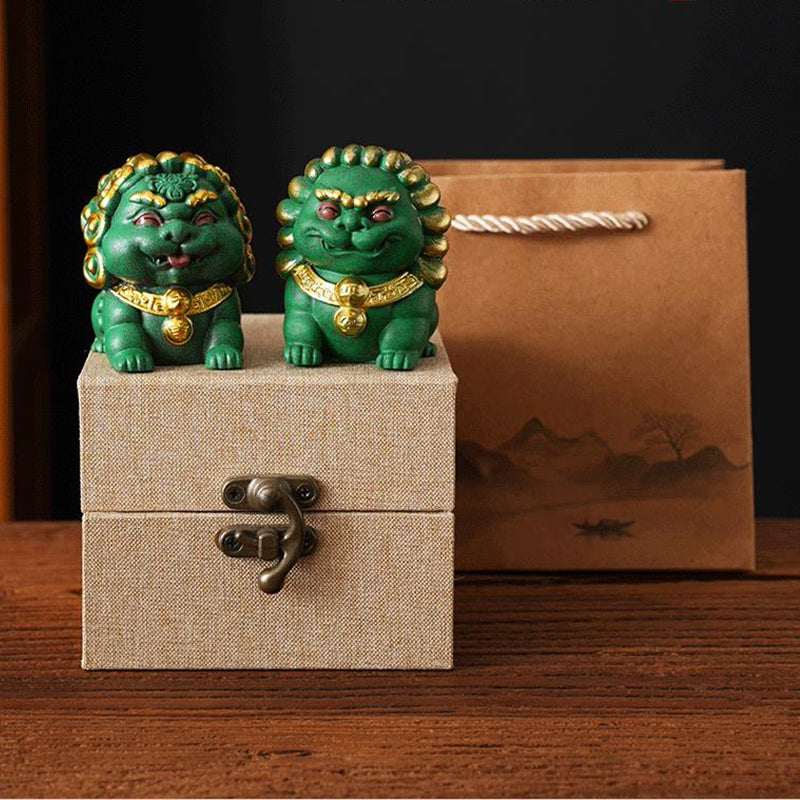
point(675, 431)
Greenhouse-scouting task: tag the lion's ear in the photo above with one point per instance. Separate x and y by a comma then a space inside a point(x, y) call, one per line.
point(93, 270)
point(432, 270)
point(248, 265)
point(247, 269)
point(93, 225)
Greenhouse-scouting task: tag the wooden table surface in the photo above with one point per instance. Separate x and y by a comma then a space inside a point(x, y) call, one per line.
point(564, 685)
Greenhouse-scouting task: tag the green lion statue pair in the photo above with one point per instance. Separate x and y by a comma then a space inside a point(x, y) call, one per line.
point(169, 240)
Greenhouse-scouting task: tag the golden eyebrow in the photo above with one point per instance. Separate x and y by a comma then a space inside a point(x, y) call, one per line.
point(361, 200)
point(337, 195)
point(199, 197)
point(148, 199)
point(382, 196)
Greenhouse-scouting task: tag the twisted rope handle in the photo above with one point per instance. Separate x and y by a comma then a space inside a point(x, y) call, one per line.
point(551, 223)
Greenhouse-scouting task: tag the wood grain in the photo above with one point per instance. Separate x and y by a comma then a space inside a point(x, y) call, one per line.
point(565, 685)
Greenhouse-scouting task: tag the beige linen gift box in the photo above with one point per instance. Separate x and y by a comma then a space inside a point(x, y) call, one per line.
point(159, 590)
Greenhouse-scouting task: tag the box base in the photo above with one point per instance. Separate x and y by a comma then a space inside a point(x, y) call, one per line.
point(377, 593)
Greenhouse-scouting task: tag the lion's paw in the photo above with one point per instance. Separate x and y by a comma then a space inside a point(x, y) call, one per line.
point(429, 350)
point(224, 356)
point(398, 359)
point(302, 355)
point(132, 359)
point(98, 346)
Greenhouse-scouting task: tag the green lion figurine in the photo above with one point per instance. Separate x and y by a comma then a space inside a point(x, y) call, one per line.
point(168, 239)
point(363, 239)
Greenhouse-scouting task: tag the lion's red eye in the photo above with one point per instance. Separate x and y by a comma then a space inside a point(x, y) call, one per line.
point(327, 210)
point(148, 218)
point(381, 214)
point(206, 218)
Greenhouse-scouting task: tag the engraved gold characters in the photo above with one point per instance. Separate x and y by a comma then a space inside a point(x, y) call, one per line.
point(354, 296)
point(176, 304)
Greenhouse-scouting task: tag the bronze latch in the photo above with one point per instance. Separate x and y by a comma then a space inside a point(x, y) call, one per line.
point(282, 543)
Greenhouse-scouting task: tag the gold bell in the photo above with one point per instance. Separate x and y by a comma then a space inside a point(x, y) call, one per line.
point(177, 329)
point(177, 301)
point(351, 293)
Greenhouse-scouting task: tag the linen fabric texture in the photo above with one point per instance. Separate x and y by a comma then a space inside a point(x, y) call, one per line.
point(156, 449)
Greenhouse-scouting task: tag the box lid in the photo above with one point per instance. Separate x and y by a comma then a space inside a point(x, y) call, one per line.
point(167, 440)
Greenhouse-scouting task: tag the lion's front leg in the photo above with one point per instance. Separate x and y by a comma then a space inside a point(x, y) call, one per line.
point(99, 344)
point(224, 342)
point(404, 340)
point(124, 338)
point(301, 333)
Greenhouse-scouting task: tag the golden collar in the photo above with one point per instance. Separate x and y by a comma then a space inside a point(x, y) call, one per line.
point(176, 301)
point(177, 304)
point(353, 295)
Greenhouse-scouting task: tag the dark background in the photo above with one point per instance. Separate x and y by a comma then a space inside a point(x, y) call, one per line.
point(259, 88)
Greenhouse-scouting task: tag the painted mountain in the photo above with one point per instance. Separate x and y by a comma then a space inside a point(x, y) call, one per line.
point(567, 470)
point(548, 457)
point(475, 462)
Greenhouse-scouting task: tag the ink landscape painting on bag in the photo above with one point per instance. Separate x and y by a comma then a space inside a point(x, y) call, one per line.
point(597, 501)
point(604, 379)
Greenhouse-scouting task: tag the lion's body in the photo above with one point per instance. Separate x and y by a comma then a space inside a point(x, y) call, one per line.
point(363, 241)
point(403, 326)
point(168, 239)
point(111, 314)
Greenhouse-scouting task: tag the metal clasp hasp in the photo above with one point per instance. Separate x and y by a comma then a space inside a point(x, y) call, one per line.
point(285, 544)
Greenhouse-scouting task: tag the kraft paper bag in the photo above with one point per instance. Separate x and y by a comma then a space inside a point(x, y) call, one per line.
point(603, 406)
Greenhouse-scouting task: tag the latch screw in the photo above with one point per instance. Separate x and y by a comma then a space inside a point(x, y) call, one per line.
point(234, 493)
point(305, 493)
point(231, 543)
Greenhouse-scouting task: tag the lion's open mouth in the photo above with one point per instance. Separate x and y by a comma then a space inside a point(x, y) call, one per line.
point(179, 261)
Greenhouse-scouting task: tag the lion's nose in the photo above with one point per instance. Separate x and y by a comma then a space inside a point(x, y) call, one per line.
point(352, 220)
point(176, 231)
